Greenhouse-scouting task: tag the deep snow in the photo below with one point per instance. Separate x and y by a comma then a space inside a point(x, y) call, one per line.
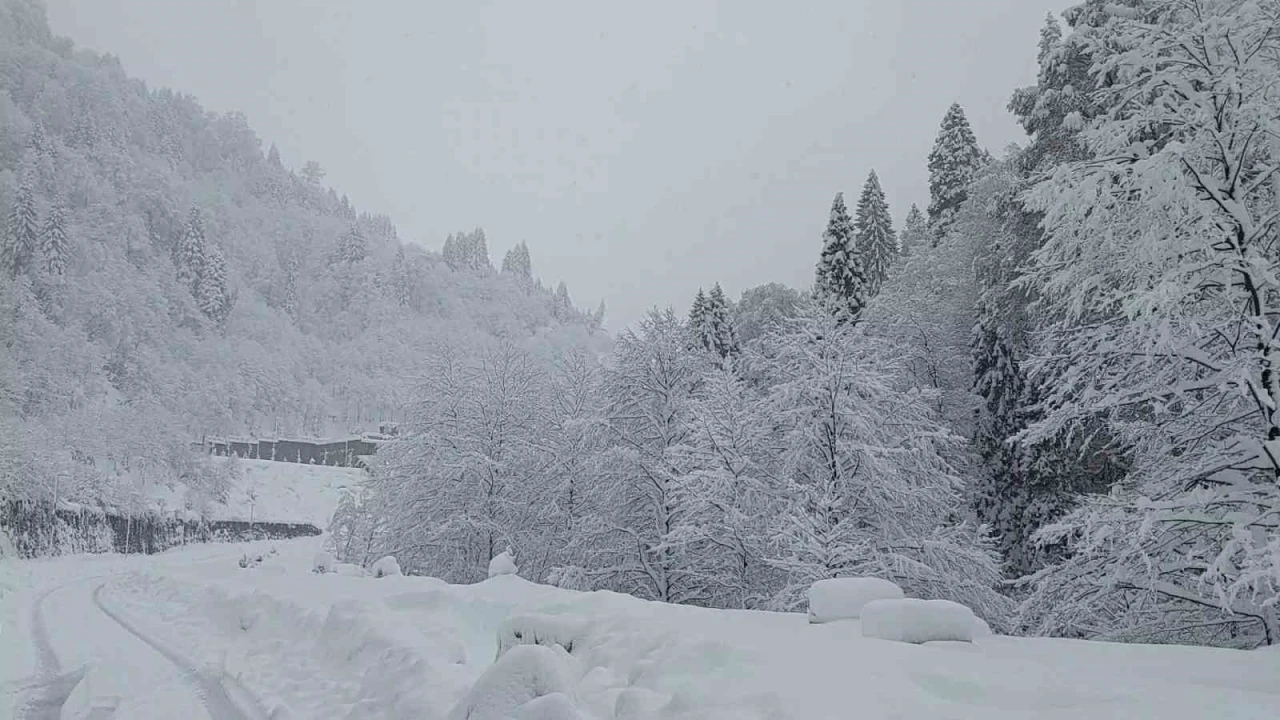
point(335, 646)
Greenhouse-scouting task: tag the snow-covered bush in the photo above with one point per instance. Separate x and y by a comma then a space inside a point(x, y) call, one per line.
point(917, 621)
point(386, 567)
point(503, 564)
point(556, 706)
point(524, 674)
point(844, 598)
point(323, 563)
point(349, 570)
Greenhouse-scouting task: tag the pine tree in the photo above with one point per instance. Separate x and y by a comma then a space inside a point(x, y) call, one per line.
point(698, 320)
point(189, 252)
point(22, 230)
point(211, 293)
point(352, 247)
point(517, 264)
point(53, 241)
point(273, 156)
point(563, 305)
point(403, 280)
point(953, 162)
point(914, 232)
point(875, 238)
point(841, 279)
point(719, 335)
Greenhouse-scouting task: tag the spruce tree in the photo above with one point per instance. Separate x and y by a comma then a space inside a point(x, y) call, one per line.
point(914, 232)
point(876, 241)
point(21, 230)
point(517, 264)
point(189, 251)
point(273, 156)
point(352, 247)
point(563, 305)
point(53, 241)
point(841, 280)
point(719, 335)
point(953, 162)
point(211, 287)
point(403, 280)
point(698, 320)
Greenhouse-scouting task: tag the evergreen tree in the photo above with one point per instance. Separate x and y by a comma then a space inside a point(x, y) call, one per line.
point(53, 241)
point(719, 335)
point(273, 156)
point(841, 279)
point(915, 232)
point(875, 238)
point(189, 251)
point(211, 294)
point(564, 306)
point(698, 319)
point(953, 162)
point(352, 247)
point(517, 264)
point(22, 230)
point(403, 279)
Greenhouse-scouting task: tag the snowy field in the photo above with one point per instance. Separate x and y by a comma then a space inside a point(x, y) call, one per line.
point(268, 491)
point(191, 634)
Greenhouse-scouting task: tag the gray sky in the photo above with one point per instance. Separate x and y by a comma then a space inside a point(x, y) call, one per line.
point(641, 149)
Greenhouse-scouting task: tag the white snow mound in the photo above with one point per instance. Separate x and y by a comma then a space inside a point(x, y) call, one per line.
point(844, 598)
point(503, 564)
point(349, 570)
point(533, 629)
point(917, 621)
point(556, 706)
point(386, 567)
point(323, 563)
point(520, 676)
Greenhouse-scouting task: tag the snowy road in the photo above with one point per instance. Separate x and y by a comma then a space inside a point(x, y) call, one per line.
point(97, 663)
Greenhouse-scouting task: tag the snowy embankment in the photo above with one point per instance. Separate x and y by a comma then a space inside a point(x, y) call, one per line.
point(338, 646)
point(267, 491)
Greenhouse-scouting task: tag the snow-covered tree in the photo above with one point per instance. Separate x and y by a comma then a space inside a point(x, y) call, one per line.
point(22, 230)
point(352, 247)
point(763, 308)
point(953, 162)
point(915, 232)
point(212, 293)
point(874, 235)
point(717, 332)
point(273, 156)
point(563, 305)
point(698, 317)
point(871, 491)
point(53, 240)
point(841, 283)
point(516, 263)
point(1159, 272)
point(189, 251)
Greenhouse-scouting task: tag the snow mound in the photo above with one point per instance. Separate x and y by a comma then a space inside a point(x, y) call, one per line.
point(323, 563)
point(503, 564)
point(524, 674)
point(549, 630)
point(91, 697)
point(917, 621)
point(349, 570)
point(556, 706)
point(844, 598)
point(386, 567)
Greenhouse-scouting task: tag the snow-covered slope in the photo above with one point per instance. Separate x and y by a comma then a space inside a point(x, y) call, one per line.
point(267, 491)
point(331, 646)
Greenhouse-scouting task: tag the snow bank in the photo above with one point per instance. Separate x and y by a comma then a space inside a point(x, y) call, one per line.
point(386, 567)
point(524, 674)
point(844, 598)
point(503, 564)
point(92, 697)
point(323, 563)
point(917, 621)
point(549, 630)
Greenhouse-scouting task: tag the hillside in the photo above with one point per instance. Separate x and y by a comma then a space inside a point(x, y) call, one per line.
point(166, 278)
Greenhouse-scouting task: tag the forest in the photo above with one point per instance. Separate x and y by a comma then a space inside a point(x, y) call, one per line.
point(1050, 395)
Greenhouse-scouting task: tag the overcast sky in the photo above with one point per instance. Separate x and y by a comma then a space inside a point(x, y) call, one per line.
point(641, 149)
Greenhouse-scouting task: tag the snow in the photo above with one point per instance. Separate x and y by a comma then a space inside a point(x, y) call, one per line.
point(844, 598)
point(503, 564)
point(912, 620)
point(322, 646)
point(270, 491)
point(386, 567)
point(322, 563)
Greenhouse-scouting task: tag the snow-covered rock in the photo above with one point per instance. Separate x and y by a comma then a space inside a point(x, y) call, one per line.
point(917, 621)
point(844, 598)
point(503, 564)
point(386, 567)
point(534, 629)
point(523, 674)
point(323, 563)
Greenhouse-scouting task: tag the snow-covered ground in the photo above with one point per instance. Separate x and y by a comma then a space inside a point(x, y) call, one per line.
point(193, 634)
point(268, 491)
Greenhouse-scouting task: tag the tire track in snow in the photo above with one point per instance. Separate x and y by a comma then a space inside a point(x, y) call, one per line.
point(44, 697)
point(212, 692)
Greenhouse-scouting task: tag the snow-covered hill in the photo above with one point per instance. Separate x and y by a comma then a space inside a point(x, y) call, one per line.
point(338, 646)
